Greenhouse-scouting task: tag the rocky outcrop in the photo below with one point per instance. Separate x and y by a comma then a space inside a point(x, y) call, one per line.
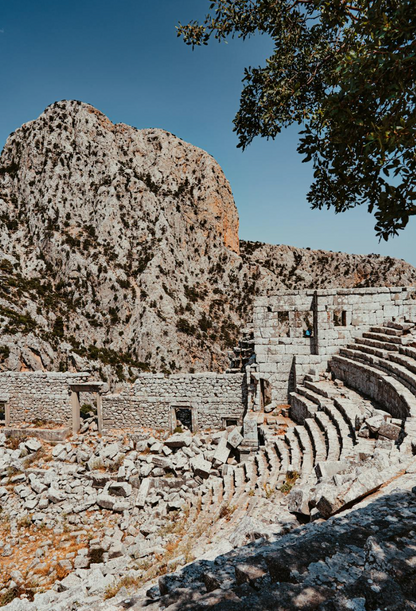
point(119, 252)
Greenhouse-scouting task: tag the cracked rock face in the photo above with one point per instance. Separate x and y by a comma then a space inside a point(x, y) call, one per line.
point(119, 251)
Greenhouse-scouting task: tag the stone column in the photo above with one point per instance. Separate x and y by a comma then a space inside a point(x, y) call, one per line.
point(99, 413)
point(76, 421)
point(6, 415)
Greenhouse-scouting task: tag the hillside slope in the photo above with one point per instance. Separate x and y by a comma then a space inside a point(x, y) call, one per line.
point(119, 251)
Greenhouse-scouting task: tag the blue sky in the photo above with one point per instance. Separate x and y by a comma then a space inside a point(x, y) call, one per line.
point(123, 56)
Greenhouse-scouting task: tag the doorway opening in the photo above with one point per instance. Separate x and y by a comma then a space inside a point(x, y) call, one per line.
point(87, 410)
point(4, 413)
point(183, 416)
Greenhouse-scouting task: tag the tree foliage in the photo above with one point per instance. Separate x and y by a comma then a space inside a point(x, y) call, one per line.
point(345, 71)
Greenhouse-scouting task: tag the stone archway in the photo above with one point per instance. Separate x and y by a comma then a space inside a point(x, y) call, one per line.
point(90, 387)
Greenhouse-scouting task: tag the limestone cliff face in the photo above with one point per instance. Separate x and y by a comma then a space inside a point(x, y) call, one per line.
point(119, 251)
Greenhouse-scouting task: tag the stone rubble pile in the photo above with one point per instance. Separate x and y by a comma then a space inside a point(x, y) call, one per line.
point(124, 499)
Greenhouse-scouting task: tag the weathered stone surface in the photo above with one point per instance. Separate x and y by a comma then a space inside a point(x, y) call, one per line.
point(178, 440)
point(235, 438)
point(390, 431)
point(143, 492)
point(222, 452)
point(200, 466)
point(120, 489)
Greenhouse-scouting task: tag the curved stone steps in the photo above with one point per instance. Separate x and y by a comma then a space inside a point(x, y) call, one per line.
point(346, 439)
point(317, 439)
point(377, 344)
point(275, 464)
point(219, 491)
point(239, 479)
point(331, 435)
point(309, 394)
point(383, 337)
point(250, 474)
point(263, 469)
point(402, 326)
point(240, 497)
point(366, 349)
point(406, 361)
point(342, 412)
point(228, 479)
point(319, 392)
point(387, 331)
point(295, 451)
point(284, 456)
point(400, 372)
point(386, 390)
point(301, 407)
point(307, 451)
point(351, 413)
point(408, 351)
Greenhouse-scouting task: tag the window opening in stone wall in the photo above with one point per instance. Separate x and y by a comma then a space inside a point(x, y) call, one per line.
point(340, 318)
point(231, 422)
point(283, 324)
point(2, 414)
point(183, 418)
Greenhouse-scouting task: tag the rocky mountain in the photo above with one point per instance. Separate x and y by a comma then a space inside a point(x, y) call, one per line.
point(119, 251)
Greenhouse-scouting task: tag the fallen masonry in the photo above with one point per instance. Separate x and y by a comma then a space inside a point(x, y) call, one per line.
point(315, 429)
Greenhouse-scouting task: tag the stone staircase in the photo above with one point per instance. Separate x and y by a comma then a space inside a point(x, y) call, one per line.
point(382, 365)
point(375, 377)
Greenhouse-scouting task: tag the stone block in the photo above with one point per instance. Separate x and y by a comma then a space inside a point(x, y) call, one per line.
point(222, 452)
point(235, 438)
point(329, 468)
point(143, 492)
point(200, 466)
point(390, 431)
point(298, 501)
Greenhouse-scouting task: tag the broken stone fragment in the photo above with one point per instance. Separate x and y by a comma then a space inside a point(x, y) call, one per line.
point(374, 423)
point(163, 463)
point(179, 440)
point(298, 501)
point(235, 438)
point(143, 492)
point(55, 495)
point(248, 573)
point(120, 489)
point(70, 583)
point(33, 444)
point(200, 466)
point(329, 468)
point(106, 501)
point(390, 431)
point(176, 505)
point(279, 569)
point(222, 452)
point(211, 582)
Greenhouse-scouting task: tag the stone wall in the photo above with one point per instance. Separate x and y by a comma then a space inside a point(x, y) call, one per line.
point(39, 395)
point(153, 399)
point(334, 317)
